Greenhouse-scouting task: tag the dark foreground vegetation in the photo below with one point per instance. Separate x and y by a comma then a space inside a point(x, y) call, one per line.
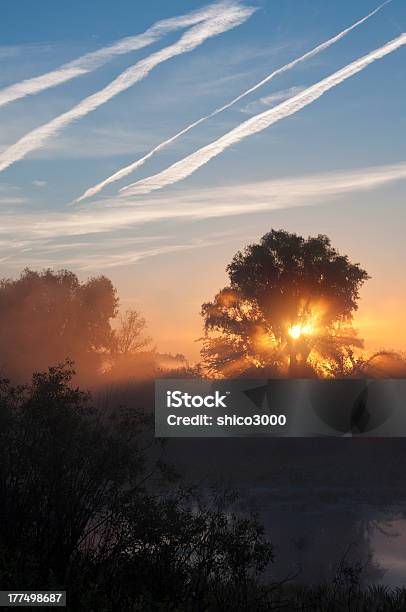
point(88, 505)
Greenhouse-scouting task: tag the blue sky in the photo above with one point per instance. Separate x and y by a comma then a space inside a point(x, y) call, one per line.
point(354, 128)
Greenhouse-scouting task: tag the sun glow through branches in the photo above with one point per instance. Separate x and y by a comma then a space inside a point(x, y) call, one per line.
point(297, 330)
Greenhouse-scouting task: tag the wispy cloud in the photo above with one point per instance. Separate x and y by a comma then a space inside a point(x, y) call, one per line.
point(133, 256)
point(73, 238)
point(106, 217)
point(91, 258)
point(222, 17)
point(10, 195)
point(133, 166)
point(11, 200)
point(186, 166)
point(95, 59)
point(266, 101)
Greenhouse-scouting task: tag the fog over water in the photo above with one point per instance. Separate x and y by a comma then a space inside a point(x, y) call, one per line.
point(322, 502)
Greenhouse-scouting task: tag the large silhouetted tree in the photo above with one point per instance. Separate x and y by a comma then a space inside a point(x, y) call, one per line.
point(48, 316)
point(288, 306)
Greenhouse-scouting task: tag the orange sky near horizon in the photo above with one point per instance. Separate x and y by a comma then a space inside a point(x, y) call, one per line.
point(170, 290)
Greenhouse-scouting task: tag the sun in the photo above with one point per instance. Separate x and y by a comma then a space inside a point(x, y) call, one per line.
point(297, 330)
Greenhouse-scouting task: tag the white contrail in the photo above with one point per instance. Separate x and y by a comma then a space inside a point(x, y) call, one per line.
point(186, 166)
point(226, 17)
point(95, 59)
point(139, 162)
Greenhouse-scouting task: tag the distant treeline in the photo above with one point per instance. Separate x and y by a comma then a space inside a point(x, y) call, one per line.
point(47, 317)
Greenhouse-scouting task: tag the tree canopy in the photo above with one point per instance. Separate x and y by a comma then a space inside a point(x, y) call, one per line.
point(289, 303)
point(48, 316)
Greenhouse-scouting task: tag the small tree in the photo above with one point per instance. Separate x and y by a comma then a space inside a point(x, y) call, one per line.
point(131, 357)
point(129, 337)
point(289, 305)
